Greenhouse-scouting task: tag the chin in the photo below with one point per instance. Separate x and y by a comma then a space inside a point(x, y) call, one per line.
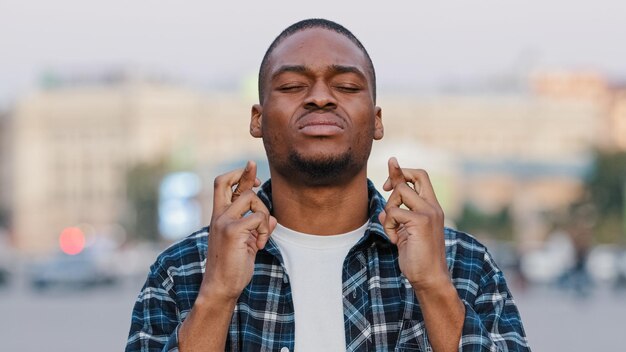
point(324, 170)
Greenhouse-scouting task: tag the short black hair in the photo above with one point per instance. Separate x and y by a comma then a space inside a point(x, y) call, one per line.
point(308, 24)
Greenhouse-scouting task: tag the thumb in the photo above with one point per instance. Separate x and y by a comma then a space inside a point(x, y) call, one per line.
point(382, 216)
point(395, 175)
point(263, 238)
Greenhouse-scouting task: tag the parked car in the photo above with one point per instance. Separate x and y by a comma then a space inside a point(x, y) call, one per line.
point(79, 271)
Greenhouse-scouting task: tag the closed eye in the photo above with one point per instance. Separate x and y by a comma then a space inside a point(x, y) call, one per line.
point(291, 87)
point(347, 88)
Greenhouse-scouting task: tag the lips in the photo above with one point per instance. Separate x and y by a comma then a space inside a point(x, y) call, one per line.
point(320, 124)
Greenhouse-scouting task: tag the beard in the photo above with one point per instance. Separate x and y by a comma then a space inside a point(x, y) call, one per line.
point(318, 170)
point(323, 170)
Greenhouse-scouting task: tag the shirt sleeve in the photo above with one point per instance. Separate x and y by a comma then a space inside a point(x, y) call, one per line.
point(492, 321)
point(155, 319)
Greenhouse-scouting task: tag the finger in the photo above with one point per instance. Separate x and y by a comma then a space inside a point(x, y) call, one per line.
point(391, 224)
point(395, 174)
point(404, 194)
point(393, 237)
point(247, 181)
point(260, 228)
point(247, 202)
point(223, 188)
point(397, 222)
point(422, 184)
point(223, 191)
point(257, 226)
point(262, 239)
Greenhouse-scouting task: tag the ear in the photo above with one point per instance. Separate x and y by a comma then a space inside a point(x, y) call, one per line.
point(379, 130)
point(256, 116)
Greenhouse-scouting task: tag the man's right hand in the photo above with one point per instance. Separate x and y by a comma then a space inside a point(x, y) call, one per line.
point(240, 225)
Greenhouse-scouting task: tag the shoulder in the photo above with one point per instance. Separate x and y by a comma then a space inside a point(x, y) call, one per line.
point(183, 258)
point(463, 241)
point(468, 258)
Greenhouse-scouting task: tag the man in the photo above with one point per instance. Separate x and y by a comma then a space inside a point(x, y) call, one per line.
point(316, 261)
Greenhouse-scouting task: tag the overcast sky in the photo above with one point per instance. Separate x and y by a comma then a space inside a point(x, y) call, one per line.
point(414, 44)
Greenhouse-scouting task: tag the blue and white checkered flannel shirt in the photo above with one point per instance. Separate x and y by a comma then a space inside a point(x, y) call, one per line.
point(381, 312)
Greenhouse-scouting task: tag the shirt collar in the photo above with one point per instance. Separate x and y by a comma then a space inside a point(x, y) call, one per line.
point(376, 205)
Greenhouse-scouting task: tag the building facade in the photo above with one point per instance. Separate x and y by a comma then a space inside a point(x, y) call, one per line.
point(70, 148)
point(73, 146)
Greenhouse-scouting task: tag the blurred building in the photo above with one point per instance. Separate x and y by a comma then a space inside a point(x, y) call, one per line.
point(618, 119)
point(528, 152)
point(497, 127)
point(591, 87)
point(73, 144)
point(5, 170)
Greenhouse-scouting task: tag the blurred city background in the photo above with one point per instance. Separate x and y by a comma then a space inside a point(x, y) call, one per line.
point(115, 118)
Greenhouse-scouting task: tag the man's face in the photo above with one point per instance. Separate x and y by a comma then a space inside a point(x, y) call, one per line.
point(318, 117)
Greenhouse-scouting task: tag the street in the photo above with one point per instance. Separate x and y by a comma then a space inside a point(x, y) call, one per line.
point(98, 320)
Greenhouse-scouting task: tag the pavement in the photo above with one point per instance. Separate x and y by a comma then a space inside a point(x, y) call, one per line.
point(98, 319)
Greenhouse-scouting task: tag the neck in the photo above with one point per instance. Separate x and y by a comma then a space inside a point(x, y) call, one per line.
point(321, 210)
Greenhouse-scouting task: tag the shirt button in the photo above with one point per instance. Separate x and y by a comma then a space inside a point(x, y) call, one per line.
point(284, 349)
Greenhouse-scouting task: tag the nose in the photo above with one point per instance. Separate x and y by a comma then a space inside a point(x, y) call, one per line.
point(320, 97)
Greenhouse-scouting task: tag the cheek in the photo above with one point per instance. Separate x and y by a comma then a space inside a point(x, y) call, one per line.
point(272, 136)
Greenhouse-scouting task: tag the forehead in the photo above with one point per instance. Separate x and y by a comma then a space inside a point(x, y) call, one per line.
point(317, 48)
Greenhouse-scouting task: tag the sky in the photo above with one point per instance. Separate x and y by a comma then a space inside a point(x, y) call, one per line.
point(415, 45)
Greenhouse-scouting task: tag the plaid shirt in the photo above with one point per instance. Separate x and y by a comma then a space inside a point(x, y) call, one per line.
point(381, 312)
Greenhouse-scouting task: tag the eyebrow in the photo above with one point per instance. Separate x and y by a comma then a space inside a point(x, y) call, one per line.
point(348, 69)
point(336, 69)
point(289, 68)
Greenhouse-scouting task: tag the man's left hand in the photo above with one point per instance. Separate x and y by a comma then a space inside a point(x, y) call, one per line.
point(418, 230)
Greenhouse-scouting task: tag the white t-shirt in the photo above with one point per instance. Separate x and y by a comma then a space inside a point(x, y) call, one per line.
point(314, 265)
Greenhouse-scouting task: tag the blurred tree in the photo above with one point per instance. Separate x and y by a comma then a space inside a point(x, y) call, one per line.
point(4, 218)
point(142, 185)
point(497, 225)
point(606, 191)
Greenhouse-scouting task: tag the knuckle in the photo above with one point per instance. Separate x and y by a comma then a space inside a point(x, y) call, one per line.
point(404, 187)
point(258, 216)
point(248, 193)
point(218, 181)
point(395, 195)
point(429, 212)
point(220, 223)
point(230, 228)
point(421, 173)
point(243, 194)
point(392, 211)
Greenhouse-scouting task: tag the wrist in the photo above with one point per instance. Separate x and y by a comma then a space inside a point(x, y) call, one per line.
point(206, 326)
point(434, 281)
point(441, 298)
point(216, 294)
point(440, 287)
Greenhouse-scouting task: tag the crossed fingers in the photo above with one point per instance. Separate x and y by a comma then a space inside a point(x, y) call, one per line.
point(241, 179)
point(235, 204)
point(413, 189)
point(415, 179)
